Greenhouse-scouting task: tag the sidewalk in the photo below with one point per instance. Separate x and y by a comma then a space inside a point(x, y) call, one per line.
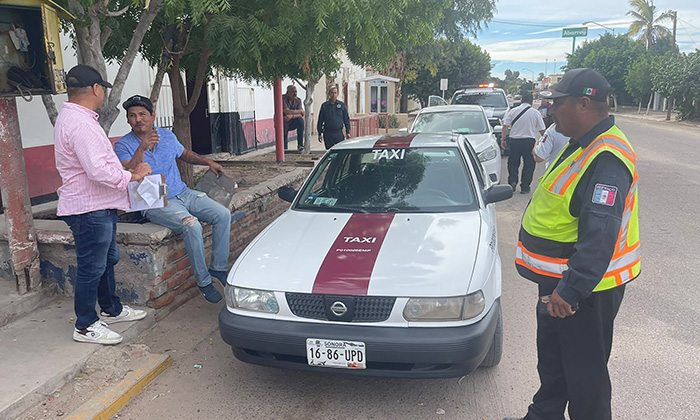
point(39, 355)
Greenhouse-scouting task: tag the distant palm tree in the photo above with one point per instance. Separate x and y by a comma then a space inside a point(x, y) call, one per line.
point(646, 24)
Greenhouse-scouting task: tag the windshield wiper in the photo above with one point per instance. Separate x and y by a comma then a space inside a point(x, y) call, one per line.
point(343, 209)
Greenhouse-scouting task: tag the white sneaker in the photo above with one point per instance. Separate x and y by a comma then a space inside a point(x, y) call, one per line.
point(128, 314)
point(97, 333)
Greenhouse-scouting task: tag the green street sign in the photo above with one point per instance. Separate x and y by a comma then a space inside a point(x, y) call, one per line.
point(574, 32)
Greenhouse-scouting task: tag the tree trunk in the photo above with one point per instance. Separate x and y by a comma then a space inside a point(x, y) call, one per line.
point(182, 107)
point(160, 75)
point(639, 109)
point(308, 107)
point(50, 106)
point(90, 41)
point(396, 68)
point(651, 96)
point(614, 98)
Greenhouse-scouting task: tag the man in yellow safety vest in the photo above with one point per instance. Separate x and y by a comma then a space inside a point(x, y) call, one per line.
point(579, 241)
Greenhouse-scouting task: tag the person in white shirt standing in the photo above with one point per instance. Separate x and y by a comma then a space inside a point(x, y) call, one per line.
point(548, 147)
point(524, 125)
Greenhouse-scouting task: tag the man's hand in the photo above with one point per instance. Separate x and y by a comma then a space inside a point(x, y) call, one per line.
point(504, 144)
point(142, 170)
point(216, 168)
point(320, 137)
point(288, 117)
point(558, 307)
point(152, 138)
point(347, 136)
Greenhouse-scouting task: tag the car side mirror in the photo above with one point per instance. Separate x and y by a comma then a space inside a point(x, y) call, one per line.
point(498, 193)
point(287, 193)
point(403, 130)
point(498, 129)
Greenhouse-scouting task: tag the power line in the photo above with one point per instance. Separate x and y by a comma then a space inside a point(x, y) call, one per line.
point(506, 22)
point(688, 24)
point(687, 33)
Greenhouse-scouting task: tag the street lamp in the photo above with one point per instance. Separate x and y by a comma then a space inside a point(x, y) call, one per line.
point(601, 25)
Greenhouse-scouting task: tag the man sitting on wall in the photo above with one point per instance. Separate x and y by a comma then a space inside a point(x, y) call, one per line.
point(186, 208)
point(293, 116)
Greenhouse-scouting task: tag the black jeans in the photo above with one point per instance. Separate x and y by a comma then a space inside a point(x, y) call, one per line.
point(521, 148)
point(330, 139)
point(295, 124)
point(96, 251)
point(572, 360)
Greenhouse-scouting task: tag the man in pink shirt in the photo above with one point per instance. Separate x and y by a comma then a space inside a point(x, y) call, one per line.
point(94, 188)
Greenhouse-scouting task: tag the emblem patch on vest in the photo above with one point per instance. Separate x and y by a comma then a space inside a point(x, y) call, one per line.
point(604, 194)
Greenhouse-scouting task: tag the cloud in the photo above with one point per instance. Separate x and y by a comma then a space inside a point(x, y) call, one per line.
point(530, 50)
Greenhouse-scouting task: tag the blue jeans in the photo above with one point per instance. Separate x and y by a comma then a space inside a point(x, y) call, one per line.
point(96, 251)
point(183, 214)
point(295, 124)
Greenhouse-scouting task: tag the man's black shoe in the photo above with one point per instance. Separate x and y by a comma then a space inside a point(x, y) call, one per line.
point(513, 186)
point(524, 190)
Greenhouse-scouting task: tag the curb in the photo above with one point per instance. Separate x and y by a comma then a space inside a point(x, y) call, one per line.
point(105, 404)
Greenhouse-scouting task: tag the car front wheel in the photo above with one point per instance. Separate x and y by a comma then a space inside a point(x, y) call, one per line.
point(493, 357)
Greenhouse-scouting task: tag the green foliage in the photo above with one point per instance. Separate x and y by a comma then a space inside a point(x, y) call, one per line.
point(465, 17)
point(637, 82)
point(461, 62)
point(610, 55)
point(677, 76)
point(393, 121)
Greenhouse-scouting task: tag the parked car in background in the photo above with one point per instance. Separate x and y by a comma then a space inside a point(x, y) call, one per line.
point(386, 264)
point(467, 120)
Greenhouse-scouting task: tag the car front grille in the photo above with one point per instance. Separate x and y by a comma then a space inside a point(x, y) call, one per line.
point(367, 308)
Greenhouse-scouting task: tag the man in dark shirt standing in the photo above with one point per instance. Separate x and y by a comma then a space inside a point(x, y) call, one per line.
point(331, 118)
point(293, 116)
point(579, 241)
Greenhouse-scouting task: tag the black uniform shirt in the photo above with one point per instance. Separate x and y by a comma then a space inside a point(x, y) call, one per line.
point(332, 117)
point(598, 224)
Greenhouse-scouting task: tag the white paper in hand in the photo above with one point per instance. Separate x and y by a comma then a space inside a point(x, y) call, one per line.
point(149, 191)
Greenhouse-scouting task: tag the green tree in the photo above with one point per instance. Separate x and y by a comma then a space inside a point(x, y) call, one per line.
point(646, 23)
point(461, 62)
point(638, 83)
point(677, 76)
point(93, 30)
point(610, 55)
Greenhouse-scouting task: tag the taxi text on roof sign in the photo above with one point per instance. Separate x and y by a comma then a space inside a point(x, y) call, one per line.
point(574, 32)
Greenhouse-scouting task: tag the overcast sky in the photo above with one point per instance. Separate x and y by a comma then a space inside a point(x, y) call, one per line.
point(526, 35)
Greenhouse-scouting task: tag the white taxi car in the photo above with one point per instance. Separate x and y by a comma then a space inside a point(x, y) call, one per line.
point(386, 264)
point(469, 121)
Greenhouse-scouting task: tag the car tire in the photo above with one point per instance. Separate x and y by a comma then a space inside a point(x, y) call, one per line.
point(493, 357)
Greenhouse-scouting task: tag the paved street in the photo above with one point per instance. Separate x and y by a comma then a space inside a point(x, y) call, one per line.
point(655, 363)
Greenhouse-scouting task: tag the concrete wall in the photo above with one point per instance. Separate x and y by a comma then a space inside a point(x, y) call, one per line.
point(154, 269)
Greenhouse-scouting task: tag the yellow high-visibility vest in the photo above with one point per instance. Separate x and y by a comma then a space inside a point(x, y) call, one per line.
point(548, 216)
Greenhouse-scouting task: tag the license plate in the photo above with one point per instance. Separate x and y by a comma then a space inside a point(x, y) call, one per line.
point(335, 353)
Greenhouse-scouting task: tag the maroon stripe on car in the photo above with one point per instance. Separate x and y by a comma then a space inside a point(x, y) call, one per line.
point(348, 266)
point(400, 140)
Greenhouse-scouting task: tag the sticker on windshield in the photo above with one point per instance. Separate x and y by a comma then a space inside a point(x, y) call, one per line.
point(325, 200)
point(388, 154)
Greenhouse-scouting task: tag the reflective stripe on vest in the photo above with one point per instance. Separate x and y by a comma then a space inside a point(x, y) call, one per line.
point(555, 223)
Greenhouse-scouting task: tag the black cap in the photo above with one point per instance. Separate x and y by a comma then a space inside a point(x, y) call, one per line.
point(84, 76)
point(137, 100)
point(578, 83)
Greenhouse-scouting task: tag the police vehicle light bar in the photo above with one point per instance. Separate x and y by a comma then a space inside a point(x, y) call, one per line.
point(488, 85)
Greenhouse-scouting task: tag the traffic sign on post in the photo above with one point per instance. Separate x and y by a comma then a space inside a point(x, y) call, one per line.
point(574, 32)
point(443, 87)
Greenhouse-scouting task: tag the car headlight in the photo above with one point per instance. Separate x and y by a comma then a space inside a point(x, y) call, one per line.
point(444, 309)
point(488, 154)
point(251, 300)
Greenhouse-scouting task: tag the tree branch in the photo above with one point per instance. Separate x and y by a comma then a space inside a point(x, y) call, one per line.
point(145, 21)
point(50, 106)
point(115, 13)
point(199, 79)
point(106, 32)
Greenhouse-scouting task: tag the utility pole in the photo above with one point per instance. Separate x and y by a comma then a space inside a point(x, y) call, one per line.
point(670, 100)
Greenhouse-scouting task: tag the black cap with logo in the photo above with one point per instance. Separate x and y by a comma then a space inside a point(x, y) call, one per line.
point(137, 100)
point(84, 76)
point(578, 83)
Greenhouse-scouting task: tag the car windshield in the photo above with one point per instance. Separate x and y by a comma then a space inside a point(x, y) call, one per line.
point(462, 122)
point(485, 98)
point(384, 180)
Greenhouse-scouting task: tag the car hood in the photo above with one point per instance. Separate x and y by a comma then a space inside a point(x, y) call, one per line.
point(363, 254)
point(497, 112)
point(481, 142)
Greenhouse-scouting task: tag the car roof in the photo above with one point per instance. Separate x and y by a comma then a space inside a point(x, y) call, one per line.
point(451, 108)
point(400, 140)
